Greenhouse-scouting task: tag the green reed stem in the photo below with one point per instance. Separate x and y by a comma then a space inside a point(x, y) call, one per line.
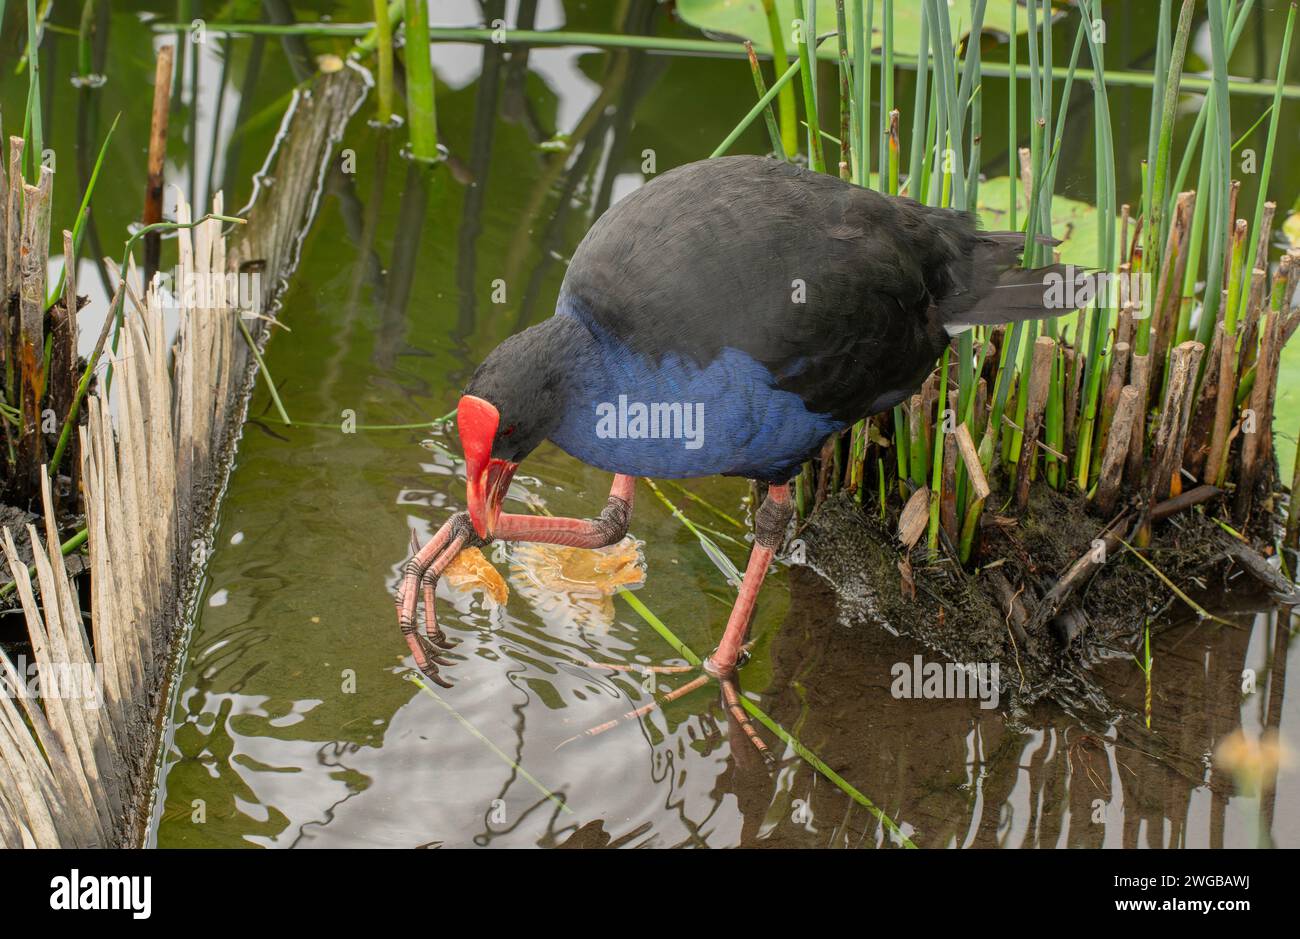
point(1266, 169)
point(953, 161)
point(862, 84)
point(1155, 224)
point(1221, 174)
point(786, 100)
point(886, 102)
point(936, 469)
point(421, 109)
point(920, 117)
point(816, 160)
point(79, 225)
point(760, 86)
point(757, 109)
point(35, 137)
point(1104, 159)
point(384, 79)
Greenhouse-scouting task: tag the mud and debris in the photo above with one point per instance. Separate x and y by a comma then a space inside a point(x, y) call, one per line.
point(984, 614)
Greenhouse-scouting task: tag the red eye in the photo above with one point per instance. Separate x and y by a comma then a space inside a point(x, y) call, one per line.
point(508, 431)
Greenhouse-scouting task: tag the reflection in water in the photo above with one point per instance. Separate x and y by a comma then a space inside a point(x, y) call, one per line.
point(973, 778)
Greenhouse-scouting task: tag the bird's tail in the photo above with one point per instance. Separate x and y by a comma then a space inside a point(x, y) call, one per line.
point(1004, 292)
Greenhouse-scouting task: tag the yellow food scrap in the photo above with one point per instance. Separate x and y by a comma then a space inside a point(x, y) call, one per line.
point(471, 571)
point(574, 585)
point(580, 570)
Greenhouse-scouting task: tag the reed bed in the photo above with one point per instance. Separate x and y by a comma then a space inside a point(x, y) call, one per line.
point(136, 441)
point(1154, 388)
point(71, 763)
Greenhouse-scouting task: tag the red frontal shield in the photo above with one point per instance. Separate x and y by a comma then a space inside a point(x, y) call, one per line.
point(486, 479)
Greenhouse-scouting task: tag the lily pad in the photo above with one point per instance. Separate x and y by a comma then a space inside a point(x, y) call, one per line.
point(746, 19)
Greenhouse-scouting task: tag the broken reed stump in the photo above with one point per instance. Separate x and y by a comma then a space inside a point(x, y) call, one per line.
point(1254, 448)
point(30, 362)
point(162, 96)
point(1171, 434)
point(64, 377)
point(1169, 289)
point(1139, 378)
point(916, 434)
point(34, 392)
point(1119, 359)
point(1040, 377)
point(4, 249)
point(1196, 451)
point(948, 497)
point(73, 774)
point(11, 202)
point(1117, 442)
point(1254, 308)
point(1216, 460)
point(13, 209)
point(1291, 539)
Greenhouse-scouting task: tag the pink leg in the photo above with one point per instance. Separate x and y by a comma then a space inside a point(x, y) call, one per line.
point(773, 517)
point(421, 573)
point(607, 529)
point(423, 570)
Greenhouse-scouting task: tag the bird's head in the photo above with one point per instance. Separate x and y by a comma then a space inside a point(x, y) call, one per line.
point(512, 403)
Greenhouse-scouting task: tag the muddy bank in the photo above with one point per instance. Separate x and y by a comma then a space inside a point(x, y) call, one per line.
point(988, 616)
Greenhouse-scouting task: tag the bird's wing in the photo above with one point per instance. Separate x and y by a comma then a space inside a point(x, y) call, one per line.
point(836, 289)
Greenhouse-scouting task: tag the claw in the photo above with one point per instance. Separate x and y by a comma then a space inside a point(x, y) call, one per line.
point(424, 662)
point(433, 652)
point(432, 674)
point(731, 698)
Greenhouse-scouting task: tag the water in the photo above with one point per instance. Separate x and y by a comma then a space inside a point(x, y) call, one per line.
point(294, 722)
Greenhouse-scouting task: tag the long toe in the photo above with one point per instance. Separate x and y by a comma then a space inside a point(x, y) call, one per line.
point(432, 652)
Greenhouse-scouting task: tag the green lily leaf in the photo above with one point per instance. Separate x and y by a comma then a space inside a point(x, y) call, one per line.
point(746, 19)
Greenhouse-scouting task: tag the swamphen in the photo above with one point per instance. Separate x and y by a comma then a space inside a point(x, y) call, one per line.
point(725, 318)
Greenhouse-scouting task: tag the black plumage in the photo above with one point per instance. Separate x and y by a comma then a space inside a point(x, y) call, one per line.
point(707, 256)
point(845, 297)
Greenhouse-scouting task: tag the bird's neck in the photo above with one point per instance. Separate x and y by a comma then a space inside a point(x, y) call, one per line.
point(573, 336)
point(567, 338)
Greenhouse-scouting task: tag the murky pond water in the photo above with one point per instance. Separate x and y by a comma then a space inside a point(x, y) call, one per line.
point(295, 722)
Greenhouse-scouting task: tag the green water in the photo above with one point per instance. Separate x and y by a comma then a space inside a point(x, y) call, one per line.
point(294, 723)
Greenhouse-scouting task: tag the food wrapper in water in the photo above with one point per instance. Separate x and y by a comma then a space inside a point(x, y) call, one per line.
point(470, 571)
point(575, 586)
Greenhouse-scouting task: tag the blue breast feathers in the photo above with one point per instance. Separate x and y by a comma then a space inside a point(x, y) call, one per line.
point(674, 418)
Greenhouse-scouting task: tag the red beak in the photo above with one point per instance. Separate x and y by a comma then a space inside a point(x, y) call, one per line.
point(486, 479)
